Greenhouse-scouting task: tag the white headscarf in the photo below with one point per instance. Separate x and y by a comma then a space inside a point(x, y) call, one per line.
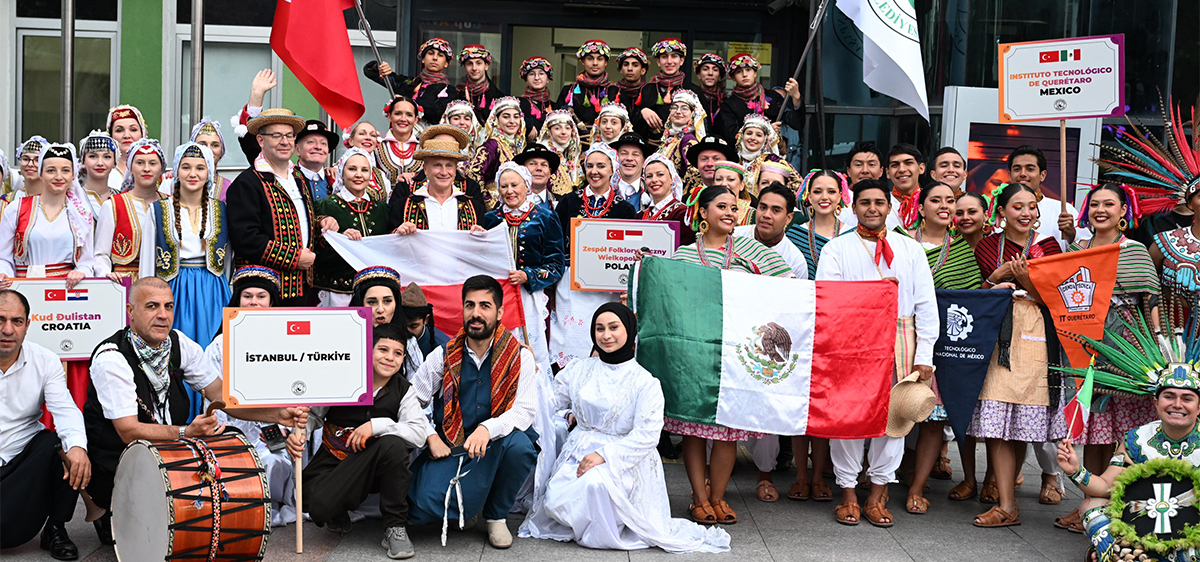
point(770, 143)
point(79, 215)
point(206, 152)
point(338, 184)
point(492, 126)
point(676, 182)
point(152, 144)
point(698, 114)
point(612, 157)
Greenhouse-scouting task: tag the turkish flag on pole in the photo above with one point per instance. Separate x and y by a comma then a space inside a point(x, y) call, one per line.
point(310, 37)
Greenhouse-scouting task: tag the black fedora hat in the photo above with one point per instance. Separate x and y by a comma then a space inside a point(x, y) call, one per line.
point(711, 143)
point(536, 150)
point(633, 139)
point(314, 127)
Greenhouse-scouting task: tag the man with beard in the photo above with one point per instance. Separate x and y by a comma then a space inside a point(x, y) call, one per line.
point(481, 385)
point(592, 87)
point(478, 88)
point(872, 253)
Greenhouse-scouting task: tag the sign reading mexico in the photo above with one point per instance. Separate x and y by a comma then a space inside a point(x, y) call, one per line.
point(602, 250)
point(72, 322)
point(1062, 79)
point(297, 356)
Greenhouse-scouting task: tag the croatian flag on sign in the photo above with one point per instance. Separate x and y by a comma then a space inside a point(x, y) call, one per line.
point(77, 295)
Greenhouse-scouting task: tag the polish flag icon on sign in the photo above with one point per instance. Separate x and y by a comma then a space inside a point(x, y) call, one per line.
point(56, 294)
point(624, 235)
point(298, 328)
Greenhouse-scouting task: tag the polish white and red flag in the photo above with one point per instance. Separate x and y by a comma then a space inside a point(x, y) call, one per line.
point(310, 37)
point(439, 262)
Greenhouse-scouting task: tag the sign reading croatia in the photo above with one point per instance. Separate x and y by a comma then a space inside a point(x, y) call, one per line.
point(72, 322)
point(1062, 79)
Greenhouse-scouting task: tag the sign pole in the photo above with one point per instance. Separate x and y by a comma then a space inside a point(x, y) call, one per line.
point(1062, 164)
point(296, 463)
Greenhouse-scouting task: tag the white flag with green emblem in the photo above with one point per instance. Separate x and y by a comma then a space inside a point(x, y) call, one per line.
point(891, 49)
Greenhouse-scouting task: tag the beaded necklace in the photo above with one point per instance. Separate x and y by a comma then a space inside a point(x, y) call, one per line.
point(728, 259)
point(601, 211)
point(943, 254)
point(1024, 250)
point(812, 238)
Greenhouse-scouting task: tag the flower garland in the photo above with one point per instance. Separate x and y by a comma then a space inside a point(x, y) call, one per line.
point(1179, 469)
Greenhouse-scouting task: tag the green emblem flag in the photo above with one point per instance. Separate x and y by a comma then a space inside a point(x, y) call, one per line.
point(891, 49)
point(767, 354)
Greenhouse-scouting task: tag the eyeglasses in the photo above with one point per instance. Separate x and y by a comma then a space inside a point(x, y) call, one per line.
point(280, 136)
point(29, 161)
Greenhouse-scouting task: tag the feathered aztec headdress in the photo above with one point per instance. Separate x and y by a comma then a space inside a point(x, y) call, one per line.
point(1145, 364)
point(1161, 175)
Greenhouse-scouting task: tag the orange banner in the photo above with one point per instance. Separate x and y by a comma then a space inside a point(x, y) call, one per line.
point(1077, 288)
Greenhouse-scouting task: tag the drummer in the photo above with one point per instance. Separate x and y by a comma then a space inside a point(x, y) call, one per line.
point(32, 492)
point(136, 390)
point(1177, 400)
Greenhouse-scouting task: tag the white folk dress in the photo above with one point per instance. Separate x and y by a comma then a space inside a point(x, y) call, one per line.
point(621, 504)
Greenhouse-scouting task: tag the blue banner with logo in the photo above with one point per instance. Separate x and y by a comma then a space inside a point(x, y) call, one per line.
point(970, 326)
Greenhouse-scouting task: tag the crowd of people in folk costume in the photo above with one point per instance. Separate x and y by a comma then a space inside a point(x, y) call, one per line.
point(468, 157)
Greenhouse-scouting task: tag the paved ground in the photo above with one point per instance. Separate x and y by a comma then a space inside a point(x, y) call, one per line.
point(781, 531)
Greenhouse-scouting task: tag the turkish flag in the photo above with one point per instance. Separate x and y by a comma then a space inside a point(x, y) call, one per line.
point(299, 328)
point(1048, 56)
point(56, 294)
point(616, 235)
point(310, 37)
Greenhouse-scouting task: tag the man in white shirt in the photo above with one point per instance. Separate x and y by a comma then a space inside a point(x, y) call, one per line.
point(631, 156)
point(438, 203)
point(271, 218)
point(872, 253)
point(137, 390)
point(35, 487)
point(1027, 165)
point(481, 420)
point(542, 164)
point(776, 205)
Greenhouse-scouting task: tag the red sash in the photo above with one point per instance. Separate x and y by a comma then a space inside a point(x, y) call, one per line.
point(127, 234)
point(24, 226)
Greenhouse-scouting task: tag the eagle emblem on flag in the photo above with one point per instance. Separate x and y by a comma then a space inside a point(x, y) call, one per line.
point(767, 354)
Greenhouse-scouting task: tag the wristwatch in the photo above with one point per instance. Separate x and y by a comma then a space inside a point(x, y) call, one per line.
point(182, 432)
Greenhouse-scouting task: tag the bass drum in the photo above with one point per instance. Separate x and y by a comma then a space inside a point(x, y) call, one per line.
point(163, 501)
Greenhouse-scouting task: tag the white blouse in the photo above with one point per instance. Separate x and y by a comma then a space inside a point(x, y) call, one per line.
point(49, 242)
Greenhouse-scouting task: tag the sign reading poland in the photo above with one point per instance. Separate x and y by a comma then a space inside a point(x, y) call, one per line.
point(1062, 79)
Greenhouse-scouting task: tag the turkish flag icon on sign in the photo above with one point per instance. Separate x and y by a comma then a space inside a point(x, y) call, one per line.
point(298, 328)
point(616, 235)
point(56, 294)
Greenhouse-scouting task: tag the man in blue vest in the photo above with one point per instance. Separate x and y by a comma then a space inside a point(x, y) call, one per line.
point(481, 385)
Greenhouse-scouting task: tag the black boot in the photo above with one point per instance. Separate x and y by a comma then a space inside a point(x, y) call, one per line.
point(666, 448)
point(55, 539)
point(104, 529)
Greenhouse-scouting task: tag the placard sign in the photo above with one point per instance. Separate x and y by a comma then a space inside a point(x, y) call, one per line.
point(1062, 79)
point(297, 357)
point(72, 322)
point(602, 250)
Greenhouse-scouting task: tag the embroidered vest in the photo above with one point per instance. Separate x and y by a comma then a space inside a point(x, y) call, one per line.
point(414, 210)
point(24, 227)
point(127, 232)
point(474, 396)
point(1149, 442)
point(167, 242)
point(393, 169)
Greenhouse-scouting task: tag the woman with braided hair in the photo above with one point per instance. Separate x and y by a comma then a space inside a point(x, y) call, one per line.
point(185, 242)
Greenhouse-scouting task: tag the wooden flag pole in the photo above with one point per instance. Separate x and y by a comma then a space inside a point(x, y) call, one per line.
point(1062, 164)
point(297, 464)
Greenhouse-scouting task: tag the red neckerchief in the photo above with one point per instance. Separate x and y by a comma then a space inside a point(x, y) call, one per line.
point(908, 206)
point(671, 82)
point(542, 95)
point(882, 248)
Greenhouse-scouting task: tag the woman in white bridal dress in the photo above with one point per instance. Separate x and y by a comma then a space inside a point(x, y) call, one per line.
point(606, 488)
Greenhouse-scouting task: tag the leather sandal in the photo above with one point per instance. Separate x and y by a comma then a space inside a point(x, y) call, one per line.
point(876, 513)
point(848, 514)
point(821, 491)
point(963, 491)
point(916, 505)
point(725, 514)
point(799, 491)
point(996, 517)
point(942, 470)
point(766, 491)
point(1072, 522)
point(1051, 494)
point(703, 513)
point(989, 493)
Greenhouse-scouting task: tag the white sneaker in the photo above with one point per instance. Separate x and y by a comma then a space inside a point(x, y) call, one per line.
point(498, 535)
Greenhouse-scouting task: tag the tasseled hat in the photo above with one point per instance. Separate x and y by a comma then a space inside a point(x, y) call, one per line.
point(593, 46)
point(669, 45)
point(710, 58)
point(474, 52)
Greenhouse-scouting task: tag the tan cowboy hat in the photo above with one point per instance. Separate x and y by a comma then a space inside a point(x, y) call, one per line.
point(912, 401)
point(435, 130)
point(439, 148)
point(273, 116)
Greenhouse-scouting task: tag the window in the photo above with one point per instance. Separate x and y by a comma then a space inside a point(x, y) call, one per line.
point(40, 92)
point(374, 95)
point(228, 70)
point(102, 10)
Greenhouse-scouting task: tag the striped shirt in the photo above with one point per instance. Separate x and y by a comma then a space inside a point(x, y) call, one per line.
point(1135, 268)
point(799, 235)
point(986, 252)
point(956, 268)
point(749, 255)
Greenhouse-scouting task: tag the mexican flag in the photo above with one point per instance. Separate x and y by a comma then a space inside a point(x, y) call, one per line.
point(767, 354)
